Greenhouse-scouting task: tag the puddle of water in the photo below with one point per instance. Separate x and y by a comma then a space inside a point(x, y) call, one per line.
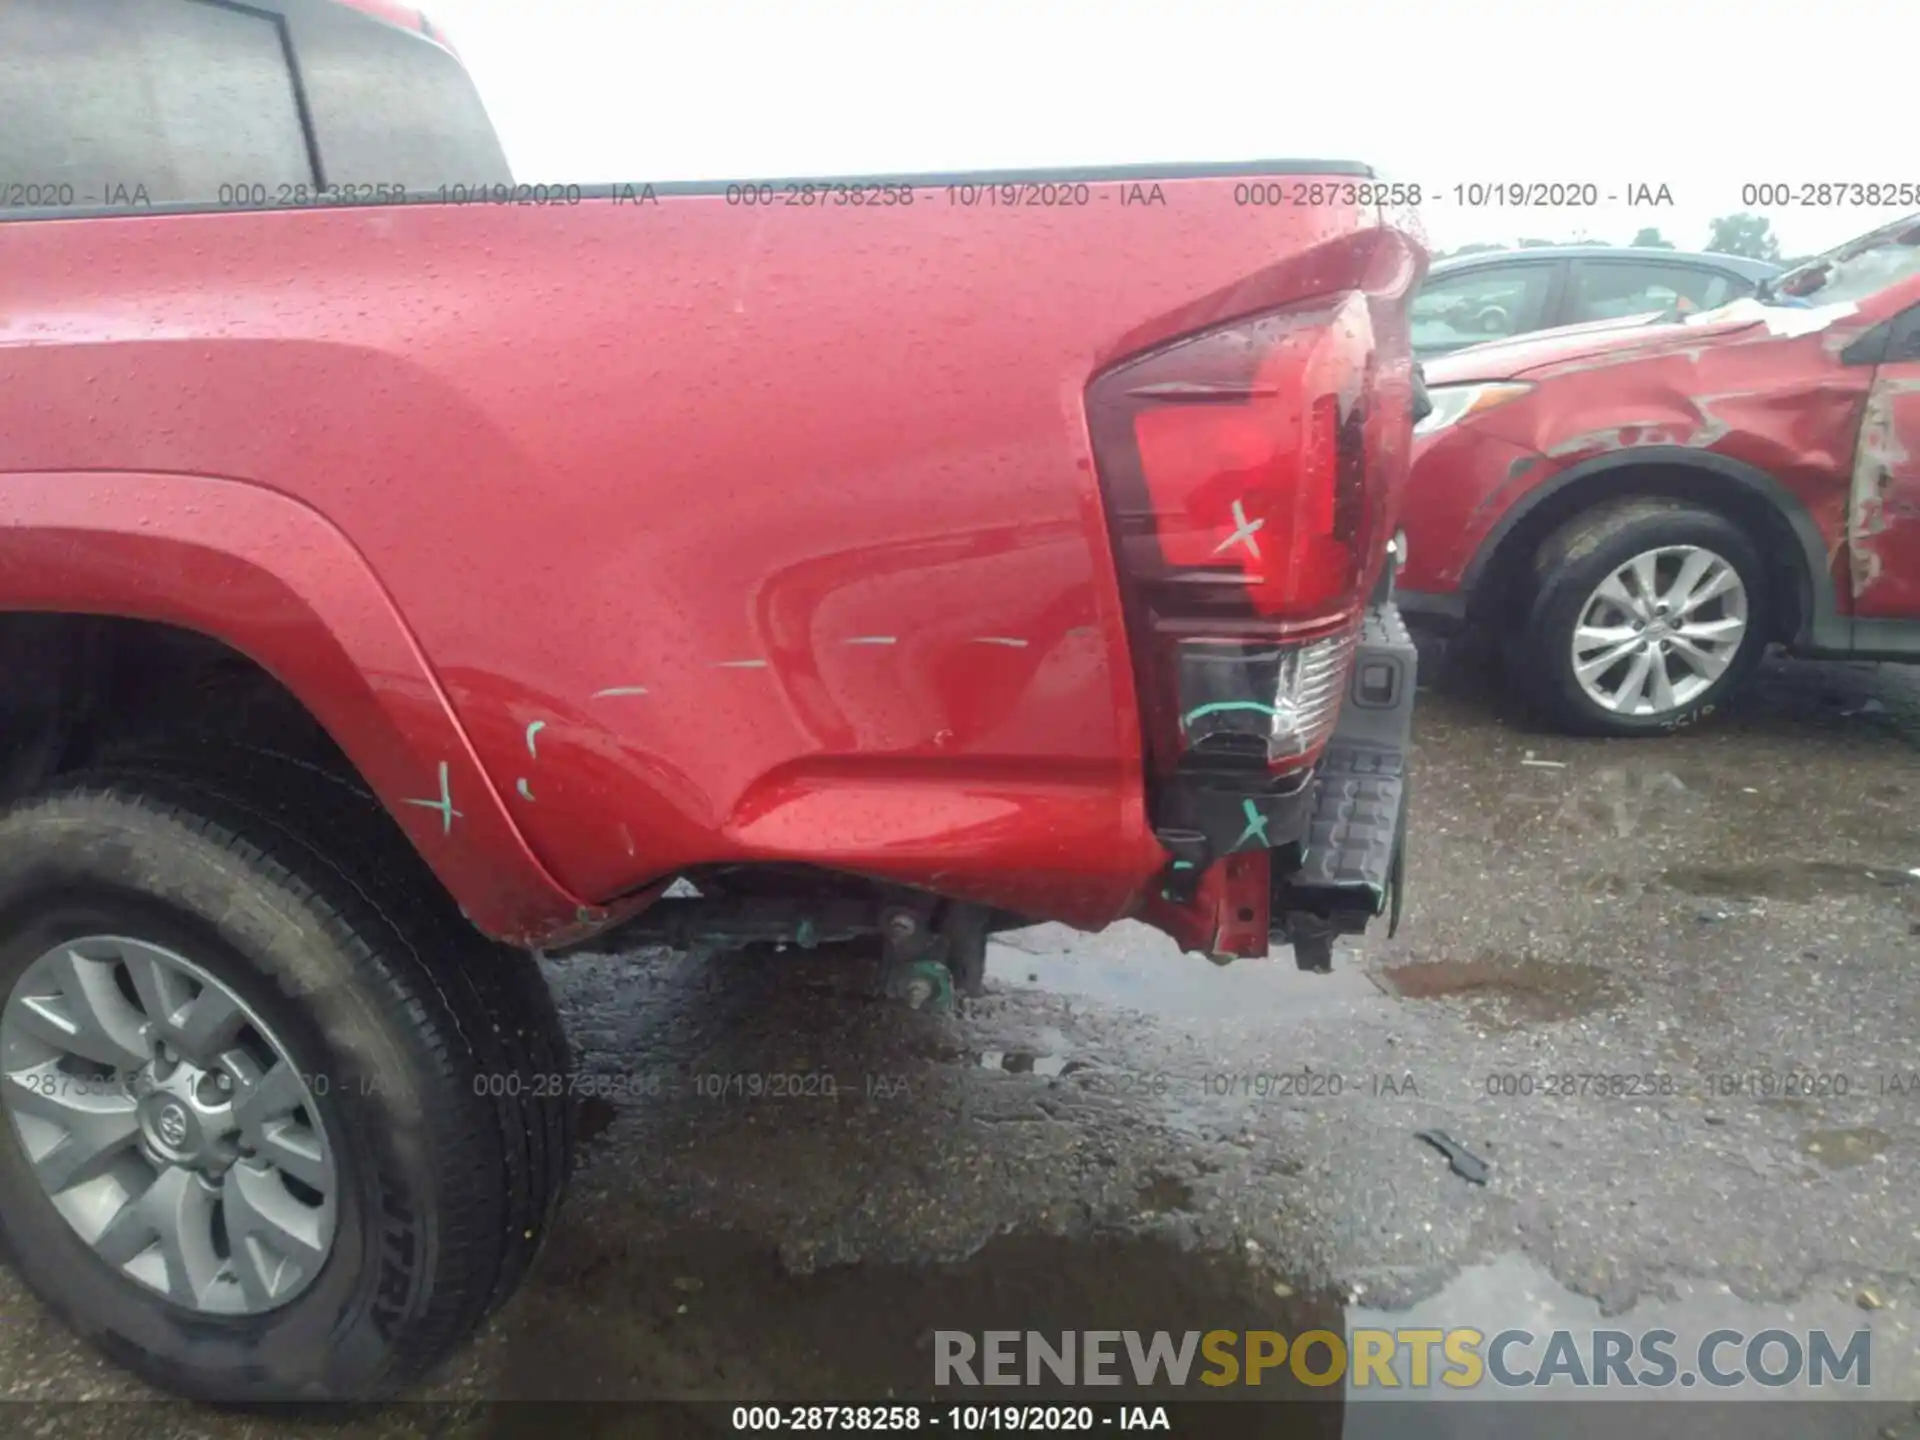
point(1798, 884)
point(698, 1314)
point(1140, 969)
point(1843, 1149)
point(1509, 990)
point(1514, 1293)
point(693, 1314)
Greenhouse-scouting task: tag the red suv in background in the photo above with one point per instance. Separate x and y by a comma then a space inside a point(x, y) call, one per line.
point(1639, 508)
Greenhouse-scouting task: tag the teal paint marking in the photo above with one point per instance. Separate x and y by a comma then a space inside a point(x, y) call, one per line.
point(444, 804)
point(1221, 706)
point(620, 690)
point(525, 793)
point(1256, 826)
point(1183, 864)
point(532, 730)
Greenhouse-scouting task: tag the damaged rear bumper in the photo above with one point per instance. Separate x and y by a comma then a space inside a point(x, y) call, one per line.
point(1314, 856)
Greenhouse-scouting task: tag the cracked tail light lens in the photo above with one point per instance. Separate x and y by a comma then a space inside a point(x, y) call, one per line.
point(1234, 467)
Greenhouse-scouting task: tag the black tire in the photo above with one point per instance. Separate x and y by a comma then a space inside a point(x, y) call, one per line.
point(1568, 567)
point(307, 902)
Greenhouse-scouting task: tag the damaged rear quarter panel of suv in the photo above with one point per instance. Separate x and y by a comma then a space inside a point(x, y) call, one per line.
point(1883, 498)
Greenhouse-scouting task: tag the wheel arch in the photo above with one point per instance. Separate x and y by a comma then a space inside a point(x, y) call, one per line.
point(1805, 607)
point(273, 584)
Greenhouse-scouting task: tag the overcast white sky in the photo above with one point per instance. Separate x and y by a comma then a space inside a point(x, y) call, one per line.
point(1700, 95)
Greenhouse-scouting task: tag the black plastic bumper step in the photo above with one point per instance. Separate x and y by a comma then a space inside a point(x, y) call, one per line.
point(1356, 820)
point(1354, 831)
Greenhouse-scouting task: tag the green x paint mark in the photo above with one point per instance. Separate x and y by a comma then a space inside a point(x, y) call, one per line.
point(444, 804)
point(1256, 826)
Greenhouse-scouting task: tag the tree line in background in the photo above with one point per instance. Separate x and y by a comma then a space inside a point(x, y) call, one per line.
point(1742, 234)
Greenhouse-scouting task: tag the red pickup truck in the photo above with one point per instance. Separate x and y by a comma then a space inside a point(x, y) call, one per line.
point(404, 569)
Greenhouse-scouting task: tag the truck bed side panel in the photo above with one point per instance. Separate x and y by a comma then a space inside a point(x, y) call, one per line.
point(731, 532)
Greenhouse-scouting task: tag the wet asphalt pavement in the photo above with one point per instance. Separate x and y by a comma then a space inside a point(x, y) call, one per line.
point(1118, 1136)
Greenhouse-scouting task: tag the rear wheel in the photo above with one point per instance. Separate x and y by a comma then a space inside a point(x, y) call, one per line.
point(1646, 614)
point(278, 1124)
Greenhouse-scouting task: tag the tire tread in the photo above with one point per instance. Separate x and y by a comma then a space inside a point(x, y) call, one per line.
point(470, 1007)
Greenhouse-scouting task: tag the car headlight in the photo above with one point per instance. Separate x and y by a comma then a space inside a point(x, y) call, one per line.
point(1454, 403)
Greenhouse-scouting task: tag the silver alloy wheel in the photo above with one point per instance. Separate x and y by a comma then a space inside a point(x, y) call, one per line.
point(167, 1125)
point(1656, 634)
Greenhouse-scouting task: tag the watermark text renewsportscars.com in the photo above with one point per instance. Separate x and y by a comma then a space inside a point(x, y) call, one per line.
point(1723, 1361)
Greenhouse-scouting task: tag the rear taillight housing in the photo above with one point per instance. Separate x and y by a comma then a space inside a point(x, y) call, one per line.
point(1234, 468)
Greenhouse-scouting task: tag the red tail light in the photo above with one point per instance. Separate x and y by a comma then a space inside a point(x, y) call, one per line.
point(1234, 464)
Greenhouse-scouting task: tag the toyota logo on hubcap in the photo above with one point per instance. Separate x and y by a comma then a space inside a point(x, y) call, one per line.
point(171, 1122)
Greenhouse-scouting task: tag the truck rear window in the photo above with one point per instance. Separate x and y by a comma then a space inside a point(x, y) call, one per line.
point(177, 98)
point(111, 104)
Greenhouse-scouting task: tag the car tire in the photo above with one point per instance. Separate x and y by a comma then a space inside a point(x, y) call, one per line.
point(1619, 545)
point(432, 1062)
